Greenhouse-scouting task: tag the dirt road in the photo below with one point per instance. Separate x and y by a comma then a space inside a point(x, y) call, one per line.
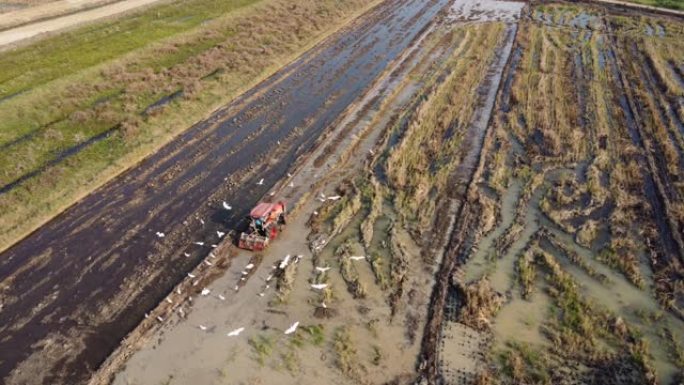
point(73, 289)
point(24, 31)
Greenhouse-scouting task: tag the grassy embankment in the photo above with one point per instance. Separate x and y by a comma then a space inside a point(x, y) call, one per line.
point(62, 92)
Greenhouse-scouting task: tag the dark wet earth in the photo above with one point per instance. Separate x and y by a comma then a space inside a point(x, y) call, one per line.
point(74, 288)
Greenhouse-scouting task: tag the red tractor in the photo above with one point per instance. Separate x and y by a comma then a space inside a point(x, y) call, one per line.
point(266, 220)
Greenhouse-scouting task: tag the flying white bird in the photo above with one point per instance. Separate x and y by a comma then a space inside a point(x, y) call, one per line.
point(220, 234)
point(199, 243)
point(319, 286)
point(186, 254)
point(235, 332)
point(322, 269)
point(208, 263)
point(260, 182)
point(292, 328)
point(249, 267)
point(191, 275)
point(206, 291)
point(357, 257)
point(227, 206)
point(285, 261)
point(160, 234)
point(222, 298)
point(203, 328)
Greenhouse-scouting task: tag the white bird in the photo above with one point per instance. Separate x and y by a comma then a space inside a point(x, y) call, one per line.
point(319, 286)
point(334, 198)
point(323, 305)
point(160, 234)
point(249, 267)
point(147, 315)
point(235, 332)
point(220, 234)
point(292, 328)
point(186, 254)
point(269, 277)
point(160, 319)
point(323, 196)
point(181, 312)
point(260, 182)
point(212, 255)
point(291, 184)
point(267, 286)
point(222, 298)
point(214, 246)
point(245, 273)
point(178, 291)
point(202, 221)
point(315, 212)
point(237, 287)
point(203, 328)
point(208, 263)
point(261, 294)
point(322, 269)
point(206, 291)
point(272, 193)
point(289, 175)
point(191, 275)
point(199, 243)
point(168, 300)
point(357, 257)
point(227, 206)
point(285, 261)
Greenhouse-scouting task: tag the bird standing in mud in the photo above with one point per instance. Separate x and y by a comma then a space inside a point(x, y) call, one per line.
point(235, 332)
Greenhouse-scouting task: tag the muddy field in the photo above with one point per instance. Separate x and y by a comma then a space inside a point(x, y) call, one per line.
point(481, 193)
point(73, 289)
point(574, 273)
point(364, 244)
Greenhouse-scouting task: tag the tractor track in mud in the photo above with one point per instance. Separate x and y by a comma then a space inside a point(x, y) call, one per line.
point(464, 223)
point(87, 277)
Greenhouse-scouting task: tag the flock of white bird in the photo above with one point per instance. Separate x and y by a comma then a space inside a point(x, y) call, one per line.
point(282, 265)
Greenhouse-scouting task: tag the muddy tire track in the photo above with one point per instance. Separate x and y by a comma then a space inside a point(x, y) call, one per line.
point(466, 213)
